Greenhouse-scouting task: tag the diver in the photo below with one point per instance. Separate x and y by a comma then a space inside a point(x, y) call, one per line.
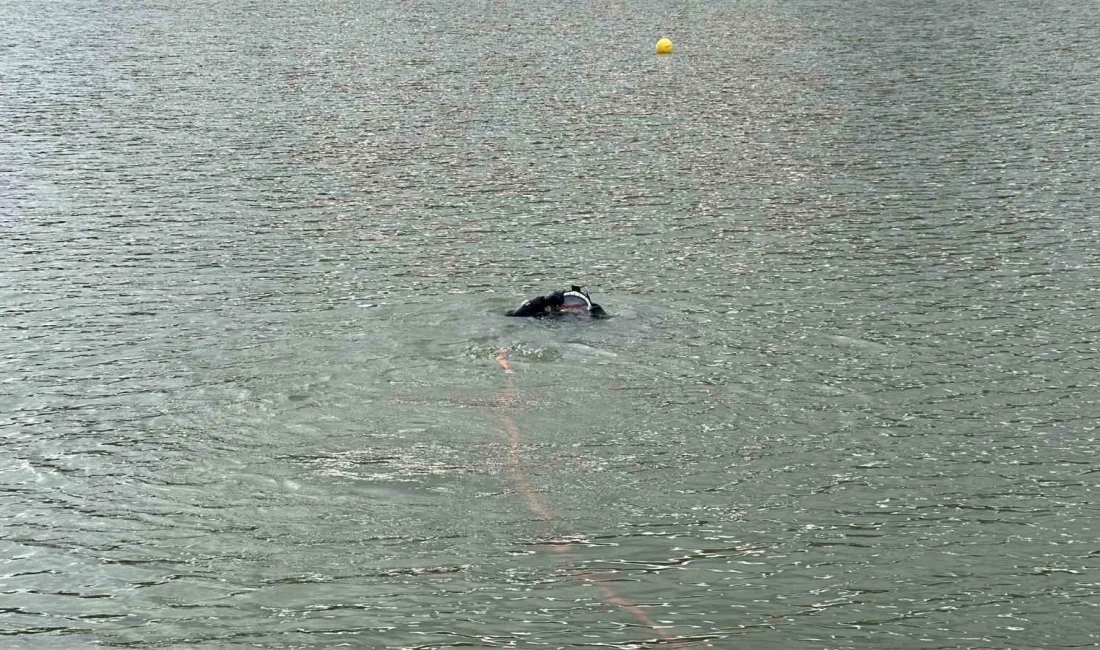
point(574, 302)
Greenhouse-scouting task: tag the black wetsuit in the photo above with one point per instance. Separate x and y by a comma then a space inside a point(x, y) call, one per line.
point(550, 306)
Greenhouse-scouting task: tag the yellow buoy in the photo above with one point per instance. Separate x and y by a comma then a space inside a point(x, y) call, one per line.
point(664, 46)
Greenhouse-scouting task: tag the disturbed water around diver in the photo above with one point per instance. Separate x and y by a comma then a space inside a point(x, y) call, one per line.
point(255, 265)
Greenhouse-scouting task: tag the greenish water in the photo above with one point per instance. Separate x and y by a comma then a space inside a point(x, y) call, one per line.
point(255, 257)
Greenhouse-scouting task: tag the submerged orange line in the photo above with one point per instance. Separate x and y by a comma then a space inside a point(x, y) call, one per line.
point(534, 504)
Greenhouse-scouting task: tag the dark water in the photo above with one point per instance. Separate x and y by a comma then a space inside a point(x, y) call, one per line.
point(254, 259)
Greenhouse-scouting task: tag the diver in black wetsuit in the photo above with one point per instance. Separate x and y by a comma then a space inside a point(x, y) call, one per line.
point(574, 302)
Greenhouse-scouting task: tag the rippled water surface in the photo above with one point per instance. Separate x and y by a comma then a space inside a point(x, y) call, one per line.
point(254, 261)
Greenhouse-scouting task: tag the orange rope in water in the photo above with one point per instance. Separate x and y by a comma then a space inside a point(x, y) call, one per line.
point(534, 504)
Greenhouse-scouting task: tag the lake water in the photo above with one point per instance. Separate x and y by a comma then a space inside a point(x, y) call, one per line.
point(255, 257)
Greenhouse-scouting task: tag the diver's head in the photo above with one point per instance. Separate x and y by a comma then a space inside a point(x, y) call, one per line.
point(576, 301)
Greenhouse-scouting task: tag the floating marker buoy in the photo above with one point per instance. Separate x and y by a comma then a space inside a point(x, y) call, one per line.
point(664, 46)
